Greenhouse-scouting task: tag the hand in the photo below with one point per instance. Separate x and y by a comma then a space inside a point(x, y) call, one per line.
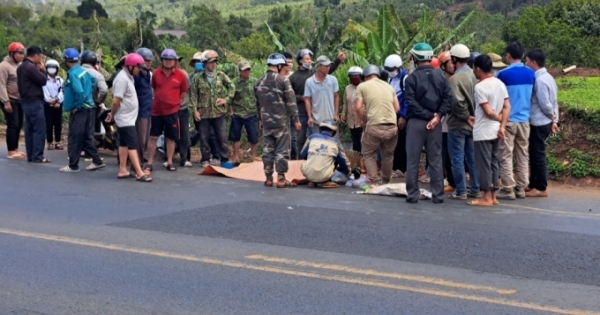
point(555, 128)
point(471, 121)
point(310, 122)
point(433, 122)
point(502, 133)
point(298, 126)
point(41, 66)
point(343, 118)
point(260, 126)
point(221, 101)
point(197, 116)
point(341, 56)
point(8, 107)
point(336, 118)
point(109, 118)
point(56, 104)
point(401, 123)
point(52, 101)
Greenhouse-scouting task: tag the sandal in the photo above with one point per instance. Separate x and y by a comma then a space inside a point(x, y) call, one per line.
point(311, 185)
point(50, 146)
point(269, 183)
point(67, 169)
point(329, 185)
point(43, 161)
point(144, 178)
point(170, 168)
point(130, 175)
point(58, 146)
point(477, 203)
point(147, 169)
point(15, 156)
point(283, 183)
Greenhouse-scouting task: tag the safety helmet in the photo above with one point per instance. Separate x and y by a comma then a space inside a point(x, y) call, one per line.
point(15, 47)
point(384, 74)
point(460, 51)
point(52, 63)
point(472, 57)
point(145, 53)
point(90, 57)
point(276, 59)
point(328, 124)
point(168, 54)
point(443, 57)
point(355, 71)
point(422, 52)
point(393, 61)
point(370, 70)
point(210, 56)
point(134, 60)
point(435, 63)
point(303, 52)
point(198, 57)
point(71, 54)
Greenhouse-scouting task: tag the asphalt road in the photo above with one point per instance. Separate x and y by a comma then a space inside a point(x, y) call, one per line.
point(87, 243)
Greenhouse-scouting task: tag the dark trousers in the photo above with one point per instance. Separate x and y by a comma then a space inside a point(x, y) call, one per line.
point(538, 164)
point(432, 140)
point(218, 125)
point(212, 141)
point(447, 161)
point(400, 152)
point(184, 135)
point(487, 154)
point(81, 131)
point(35, 129)
point(142, 129)
point(53, 123)
point(299, 137)
point(356, 134)
point(14, 124)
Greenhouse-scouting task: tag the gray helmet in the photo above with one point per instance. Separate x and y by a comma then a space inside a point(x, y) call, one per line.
point(370, 70)
point(276, 59)
point(145, 53)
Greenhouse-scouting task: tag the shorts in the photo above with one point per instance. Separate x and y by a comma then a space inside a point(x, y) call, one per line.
point(127, 137)
point(237, 123)
point(168, 124)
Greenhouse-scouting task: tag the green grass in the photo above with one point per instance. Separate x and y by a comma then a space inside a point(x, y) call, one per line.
point(578, 96)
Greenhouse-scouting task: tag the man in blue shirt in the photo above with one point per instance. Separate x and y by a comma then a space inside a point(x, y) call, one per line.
point(143, 88)
point(78, 101)
point(519, 82)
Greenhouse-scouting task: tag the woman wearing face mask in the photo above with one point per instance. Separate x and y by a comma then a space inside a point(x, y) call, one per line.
point(349, 115)
point(53, 98)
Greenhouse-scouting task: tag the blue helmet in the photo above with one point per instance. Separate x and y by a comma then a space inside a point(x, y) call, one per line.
point(328, 124)
point(276, 60)
point(169, 54)
point(71, 54)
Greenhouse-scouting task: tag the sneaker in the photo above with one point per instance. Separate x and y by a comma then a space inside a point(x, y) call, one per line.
point(471, 194)
point(93, 167)
point(215, 162)
point(204, 164)
point(520, 193)
point(67, 169)
point(454, 195)
point(397, 173)
point(50, 146)
point(424, 179)
point(187, 164)
point(536, 193)
point(506, 194)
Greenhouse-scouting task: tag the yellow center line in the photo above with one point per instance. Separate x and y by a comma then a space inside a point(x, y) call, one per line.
point(277, 270)
point(375, 273)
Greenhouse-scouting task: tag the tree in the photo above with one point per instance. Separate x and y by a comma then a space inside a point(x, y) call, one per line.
point(254, 47)
point(87, 7)
point(207, 29)
point(239, 26)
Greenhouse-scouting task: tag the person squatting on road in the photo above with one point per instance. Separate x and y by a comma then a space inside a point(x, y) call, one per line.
point(53, 99)
point(242, 111)
point(429, 98)
point(143, 89)
point(124, 112)
point(31, 78)
point(349, 114)
point(276, 105)
point(491, 116)
point(170, 87)
point(211, 91)
point(78, 101)
point(10, 99)
point(377, 106)
point(324, 156)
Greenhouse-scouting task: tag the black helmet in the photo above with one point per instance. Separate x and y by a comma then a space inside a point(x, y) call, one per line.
point(383, 74)
point(90, 57)
point(472, 57)
point(145, 53)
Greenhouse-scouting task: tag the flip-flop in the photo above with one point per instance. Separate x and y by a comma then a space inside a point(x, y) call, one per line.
point(286, 184)
point(144, 179)
point(476, 203)
point(16, 156)
point(42, 161)
point(170, 168)
point(130, 175)
point(269, 183)
point(329, 185)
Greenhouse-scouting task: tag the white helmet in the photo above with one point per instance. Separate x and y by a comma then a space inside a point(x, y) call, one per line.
point(355, 70)
point(393, 61)
point(460, 51)
point(52, 63)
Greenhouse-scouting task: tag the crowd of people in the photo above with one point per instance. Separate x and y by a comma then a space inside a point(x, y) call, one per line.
point(482, 124)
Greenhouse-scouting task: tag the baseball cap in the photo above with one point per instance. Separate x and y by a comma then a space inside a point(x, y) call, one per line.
point(244, 65)
point(323, 61)
point(496, 61)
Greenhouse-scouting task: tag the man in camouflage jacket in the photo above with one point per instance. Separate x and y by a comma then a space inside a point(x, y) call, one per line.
point(210, 92)
point(276, 104)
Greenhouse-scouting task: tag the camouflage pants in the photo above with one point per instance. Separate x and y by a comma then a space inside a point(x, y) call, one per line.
point(276, 150)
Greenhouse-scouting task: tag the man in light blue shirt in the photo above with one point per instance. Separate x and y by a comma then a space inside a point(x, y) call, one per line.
point(543, 121)
point(519, 82)
point(321, 96)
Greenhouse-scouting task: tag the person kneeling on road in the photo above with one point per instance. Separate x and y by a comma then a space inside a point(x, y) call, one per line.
point(124, 110)
point(323, 154)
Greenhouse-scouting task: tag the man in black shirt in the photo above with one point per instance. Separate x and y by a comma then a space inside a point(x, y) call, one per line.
point(31, 76)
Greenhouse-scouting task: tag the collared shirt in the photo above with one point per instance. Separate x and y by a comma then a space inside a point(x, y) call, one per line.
point(461, 69)
point(519, 82)
point(396, 83)
point(349, 107)
point(124, 89)
point(167, 91)
point(53, 89)
point(544, 104)
point(244, 101)
point(204, 93)
point(322, 97)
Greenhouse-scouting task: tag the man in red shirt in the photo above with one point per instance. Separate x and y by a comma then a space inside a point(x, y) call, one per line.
point(170, 87)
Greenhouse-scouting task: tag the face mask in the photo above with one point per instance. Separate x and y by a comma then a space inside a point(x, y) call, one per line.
point(199, 66)
point(51, 71)
point(307, 66)
point(393, 74)
point(355, 81)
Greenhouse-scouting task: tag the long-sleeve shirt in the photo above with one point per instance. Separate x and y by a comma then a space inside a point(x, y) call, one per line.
point(462, 84)
point(349, 107)
point(544, 105)
point(8, 80)
point(427, 92)
point(298, 82)
point(323, 154)
point(54, 89)
point(30, 80)
point(519, 81)
point(275, 101)
point(78, 90)
point(398, 82)
point(204, 94)
point(100, 87)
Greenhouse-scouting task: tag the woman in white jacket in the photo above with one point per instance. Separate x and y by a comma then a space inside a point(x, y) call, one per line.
point(53, 97)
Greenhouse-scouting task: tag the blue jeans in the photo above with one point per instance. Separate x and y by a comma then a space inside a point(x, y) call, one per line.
point(35, 129)
point(460, 147)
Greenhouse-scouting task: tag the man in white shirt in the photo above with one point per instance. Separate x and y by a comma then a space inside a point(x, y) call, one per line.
point(491, 115)
point(321, 96)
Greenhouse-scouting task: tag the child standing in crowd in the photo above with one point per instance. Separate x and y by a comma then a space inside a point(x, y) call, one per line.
point(53, 99)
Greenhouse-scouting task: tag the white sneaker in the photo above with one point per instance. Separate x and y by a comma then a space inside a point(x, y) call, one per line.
point(204, 164)
point(215, 162)
point(188, 164)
